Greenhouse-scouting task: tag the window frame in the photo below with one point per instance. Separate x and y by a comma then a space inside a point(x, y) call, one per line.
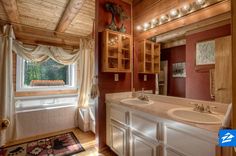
point(20, 87)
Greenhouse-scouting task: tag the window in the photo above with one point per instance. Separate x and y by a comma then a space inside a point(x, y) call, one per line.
point(48, 75)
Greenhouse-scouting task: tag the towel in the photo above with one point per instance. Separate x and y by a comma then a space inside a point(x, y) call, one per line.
point(227, 118)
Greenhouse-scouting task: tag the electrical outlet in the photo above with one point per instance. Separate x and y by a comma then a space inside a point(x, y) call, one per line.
point(116, 77)
point(145, 78)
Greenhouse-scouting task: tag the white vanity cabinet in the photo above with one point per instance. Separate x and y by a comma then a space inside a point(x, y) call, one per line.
point(144, 135)
point(117, 130)
point(135, 133)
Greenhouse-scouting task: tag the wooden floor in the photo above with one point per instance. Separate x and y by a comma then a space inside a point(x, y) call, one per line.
point(86, 139)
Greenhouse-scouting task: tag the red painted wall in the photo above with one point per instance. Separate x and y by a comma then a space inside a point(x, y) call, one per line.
point(197, 83)
point(106, 80)
point(139, 82)
point(176, 85)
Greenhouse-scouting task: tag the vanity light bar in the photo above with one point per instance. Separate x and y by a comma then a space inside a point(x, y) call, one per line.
point(176, 13)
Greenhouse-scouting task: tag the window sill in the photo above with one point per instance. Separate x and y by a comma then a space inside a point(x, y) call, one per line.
point(45, 88)
point(36, 103)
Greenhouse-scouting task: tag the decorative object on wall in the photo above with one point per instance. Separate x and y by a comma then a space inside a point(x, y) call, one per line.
point(205, 55)
point(116, 11)
point(179, 70)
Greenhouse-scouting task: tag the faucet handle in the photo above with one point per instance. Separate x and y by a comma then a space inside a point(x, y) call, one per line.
point(208, 108)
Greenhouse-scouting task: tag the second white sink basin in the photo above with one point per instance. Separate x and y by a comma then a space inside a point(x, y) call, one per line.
point(136, 101)
point(187, 114)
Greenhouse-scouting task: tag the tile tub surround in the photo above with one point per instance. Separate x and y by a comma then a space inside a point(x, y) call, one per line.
point(44, 121)
point(164, 103)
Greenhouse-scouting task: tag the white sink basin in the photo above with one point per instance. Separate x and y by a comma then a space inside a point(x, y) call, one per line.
point(136, 101)
point(187, 114)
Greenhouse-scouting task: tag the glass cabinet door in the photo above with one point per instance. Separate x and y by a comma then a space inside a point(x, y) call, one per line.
point(125, 53)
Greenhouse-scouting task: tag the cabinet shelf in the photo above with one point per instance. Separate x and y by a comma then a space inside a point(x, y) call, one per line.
point(149, 57)
point(117, 57)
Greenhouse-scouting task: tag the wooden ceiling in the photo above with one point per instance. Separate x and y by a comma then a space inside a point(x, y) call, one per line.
point(73, 17)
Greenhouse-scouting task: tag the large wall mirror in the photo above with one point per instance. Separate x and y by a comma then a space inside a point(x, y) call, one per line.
point(197, 65)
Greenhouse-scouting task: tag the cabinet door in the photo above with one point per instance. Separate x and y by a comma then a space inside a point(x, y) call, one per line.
point(143, 147)
point(170, 152)
point(223, 70)
point(118, 134)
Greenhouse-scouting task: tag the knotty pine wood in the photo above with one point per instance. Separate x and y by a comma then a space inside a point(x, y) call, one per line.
point(208, 12)
point(146, 10)
point(233, 26)
point(72, 9)
point(87, 140)
point(223, 70)
point(46, 14)
point(37, 93)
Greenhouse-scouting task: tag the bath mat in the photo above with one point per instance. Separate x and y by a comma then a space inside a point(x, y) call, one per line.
point(60, 145)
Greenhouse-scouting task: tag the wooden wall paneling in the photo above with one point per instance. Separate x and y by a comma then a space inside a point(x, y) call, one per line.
point(233, 26)
point(69, 14)
point(223, 70)
point(208, 12)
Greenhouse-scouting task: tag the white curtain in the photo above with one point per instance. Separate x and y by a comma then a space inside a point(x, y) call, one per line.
point(7, 103)
point(86, 66)
point(85, 55)
point(41, 53)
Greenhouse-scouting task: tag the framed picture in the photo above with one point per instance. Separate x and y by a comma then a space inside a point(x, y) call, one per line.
point(205, 55)
point(178, 69)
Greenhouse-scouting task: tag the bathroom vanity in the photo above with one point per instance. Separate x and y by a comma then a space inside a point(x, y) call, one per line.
point(150, 129)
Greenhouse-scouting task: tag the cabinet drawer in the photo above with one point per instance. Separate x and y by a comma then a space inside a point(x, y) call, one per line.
point(145, 126)
point(118, 114)
point(188, 144)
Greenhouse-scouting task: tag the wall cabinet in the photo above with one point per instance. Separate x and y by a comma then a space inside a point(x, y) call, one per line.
point(134, 133)
point(116, 52)
point(149, 57)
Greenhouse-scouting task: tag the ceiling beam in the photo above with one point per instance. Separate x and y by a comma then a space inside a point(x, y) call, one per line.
point(72, 9)
point(11, 10)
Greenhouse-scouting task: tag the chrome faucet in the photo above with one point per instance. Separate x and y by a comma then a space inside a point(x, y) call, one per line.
point(142, 96)
point(201, 108)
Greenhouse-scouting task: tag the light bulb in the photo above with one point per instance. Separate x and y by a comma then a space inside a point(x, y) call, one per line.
point(174, 12)
point(200, 2)
point(164, 18)
point(139, 27)
point(186, 8)
point(146, 25)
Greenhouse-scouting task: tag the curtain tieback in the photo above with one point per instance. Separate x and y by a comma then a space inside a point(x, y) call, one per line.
point(5, 124)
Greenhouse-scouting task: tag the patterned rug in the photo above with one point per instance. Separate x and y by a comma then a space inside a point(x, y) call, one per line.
point(60, 145)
